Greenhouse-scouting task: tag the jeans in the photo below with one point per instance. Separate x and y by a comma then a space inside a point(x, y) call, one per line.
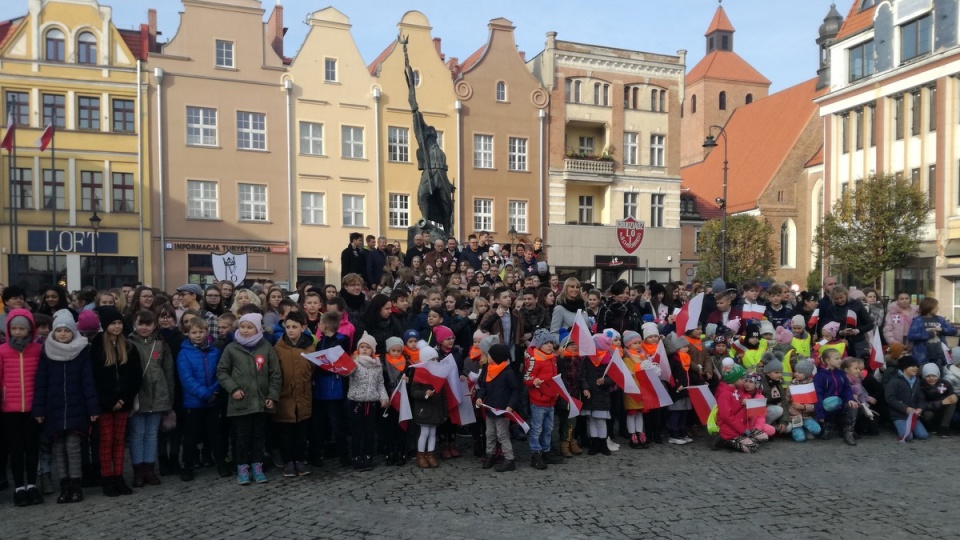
point(143, 437)
point(919, 432)
point(541, 427)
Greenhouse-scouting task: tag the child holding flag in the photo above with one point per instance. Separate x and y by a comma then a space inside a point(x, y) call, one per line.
point(802, 426)
point(429, 411)
point(596, 387)
point(760, 430)
point(732, 412)
point(446, 346)
point(366, 389)
point(498, 387)
point(394, 374)
point(835, 403)
point(637, 356)
point(541, 367)
point(906, 401)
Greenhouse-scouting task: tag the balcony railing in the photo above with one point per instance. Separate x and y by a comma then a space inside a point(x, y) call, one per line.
point(588, 166)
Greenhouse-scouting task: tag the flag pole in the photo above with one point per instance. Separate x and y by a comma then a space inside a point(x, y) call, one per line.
point(53, 196)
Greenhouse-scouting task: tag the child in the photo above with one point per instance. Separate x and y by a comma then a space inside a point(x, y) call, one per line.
point(866, 419)
point(635, 356)
point(596, 395)
point(753, 347)
point(19, 358)
point(498, 387)
point(927, 332)
point(760, 430)
point(801, 341)
point(771, 384)
point(472, 364)
point(777, 312)
point(197, 369)
point(329, 391)
point(65, 400)
point(429, 411)
point(154, 400)
point(366, 389)
point(410, 349)
point(941, 401)
point(541, 367)
point(803, 426)
point(904, 397)
point(725, 311)
point(394, 374)
point(732, 413)
point(683, 377)
point(447, 432)
point(249, 373)
point(43, 324)
point(296, 395)
point(830, 341)
point(718, 353)
point(568, 365)
point(312, 303)
point(835, 403)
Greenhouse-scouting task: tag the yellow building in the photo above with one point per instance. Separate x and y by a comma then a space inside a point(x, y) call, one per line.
point(65, 63)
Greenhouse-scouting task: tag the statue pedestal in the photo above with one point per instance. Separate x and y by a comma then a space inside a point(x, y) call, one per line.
point(424, 226)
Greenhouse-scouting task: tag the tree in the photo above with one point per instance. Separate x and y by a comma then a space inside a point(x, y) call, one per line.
point(749, 253)
point(873, 228)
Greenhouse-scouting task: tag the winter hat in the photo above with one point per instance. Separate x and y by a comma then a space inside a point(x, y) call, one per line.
point(896, 351)
point(427, 352)
point(753, 331)
point(629, 336)
point(721, 339)
point(543, 336)
point(480, 334)
point(856, 294)
point(773, 365)
point(108, 315)
point(365, 338)
point(255, 319)
point(733, 325)
point(805, 367)
point(726, 363)
point(831, 329)
point(649, 329)
point(906, 361)
point(647, 318)
point(393, 341)
point(500, 353)
point(954, 353)
point(603, 342)
point(441, 332)
point(734, 374)
point(711, 329)
point(20, 321)
point(88, 322)
point(611, 333)
point(930, 369)
point(410, 334)
point(766, 327)
point(753, 377)
point(784, 336)
point(674, 343)
point(718, 285)
point(64, 319)
point(487, 343)
point(798, 320)
point(542, 267)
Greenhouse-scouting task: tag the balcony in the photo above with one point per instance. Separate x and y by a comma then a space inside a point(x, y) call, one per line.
point(588, 170)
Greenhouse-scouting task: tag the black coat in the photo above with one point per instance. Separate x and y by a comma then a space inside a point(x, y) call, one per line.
point(65, 394)
point(428, 410)
point(116, 382)
point(901, 395)
point(383, 329)
point(501, 392)
point(599, 399)
point(686, 379)
point(353, 261)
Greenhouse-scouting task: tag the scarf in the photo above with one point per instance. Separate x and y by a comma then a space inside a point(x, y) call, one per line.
point(251, 341)
point(540, 356)
point(567, 353)
point(19, 344)
point(367, 362)
point(684, 360)
point(412, 354)
point(493, 370)
point(597, 359)
point(696, 342)
point(475, 353)
point(398, 363)
point(618, 350)
point(637, 358)
point(62, 352)
point(353, 301)
point(649, 349)
point(572, 305)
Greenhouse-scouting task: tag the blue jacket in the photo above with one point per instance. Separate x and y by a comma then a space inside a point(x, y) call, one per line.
point(830, 382)
point(198, 374)
point(918, 335)
point(65, 394)
point(326, 385)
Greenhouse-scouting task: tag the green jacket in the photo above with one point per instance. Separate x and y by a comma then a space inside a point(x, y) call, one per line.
point(157, 389)
point(238, 370)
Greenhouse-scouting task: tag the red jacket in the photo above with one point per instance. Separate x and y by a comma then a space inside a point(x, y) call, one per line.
point(18, 370)
point(544, 367)
point(731, 413)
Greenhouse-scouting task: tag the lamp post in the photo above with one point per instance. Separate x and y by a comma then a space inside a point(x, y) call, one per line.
point(711, 142)
point(95, 223)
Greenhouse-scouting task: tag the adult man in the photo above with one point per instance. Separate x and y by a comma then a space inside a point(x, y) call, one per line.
point(418, 250)
point(352, 258)
point(472, 253)
point(533, 314)
point(453, 249)
point(438, 254)
point(376, 260)
point(829, 283)
point(371, 243)
point(528, 263)
point(190, 295)
point(226, 293)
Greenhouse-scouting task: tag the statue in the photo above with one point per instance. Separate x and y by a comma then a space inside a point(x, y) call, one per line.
point(435, 194)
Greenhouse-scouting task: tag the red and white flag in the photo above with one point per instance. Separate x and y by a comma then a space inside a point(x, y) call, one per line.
point(575, 404)
point(756, 407)
point(618, 371)
point(664, 362)
point(876, 351)
point(435, 374)
point(804, 394)
point(654, 392)
point(739, 346)
point(689, 316)
point(702, 400)
point(911, 424)
point(814, 319)
point(581, 335)
point(753, 312)
point(512, 415)
point(851, 317)
point(45, 138)
point(400, 401)
point(335, 360)
point(10, 136)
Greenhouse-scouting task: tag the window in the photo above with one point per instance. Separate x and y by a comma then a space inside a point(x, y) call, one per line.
point(201, 126)
point(861, 61)
point(630, 205)
point(572, 90)
point(351, 142)
point(723, 101)
point(725, 43)
point(501, 91)
point(55, 46)
point(585, 209)
point(123, 192)
point(23, 188)
point(916, 38)
point(483, 153)
point(353, 210)
point(845, 133)
point(873, 125)
point(440, 138)
point(311, 138)
point(656, 209)
point(53, 191)
point(55, 110)
point(483, 214)
point(251, 131)
point(88, 113)
point(86, 49)
point(311, 208)
point(123, 116)
point(201, 199)
point(696, 241)
point(253, 202)
point(329, 70)
point(19, 104)
point(398, 144)
point(858, 134)
point(653, 100)
point(749, 99)
point(898, 117)
point(517, 215)
point(91, 190)
point(932, 185)
point(657, 143)
point(915, 113)
point(915, 176)
point(663, 101)
point(631, 153)
point(658, 100)
point(517, 154)
point(693, 104)
point(586, 145)
point(398, 212)
point(597, 100)
point(601, 94)
point(932, 108)
point(224, 54)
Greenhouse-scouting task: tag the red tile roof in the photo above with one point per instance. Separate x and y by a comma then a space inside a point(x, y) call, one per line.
point(761, 136)
point(374, 67)
point(817, 158)
point(725, 65)
point(857, 21)
point(705, 209)
point(136, 41)
point(7, 28)
point(720, 22)
point(472, 59)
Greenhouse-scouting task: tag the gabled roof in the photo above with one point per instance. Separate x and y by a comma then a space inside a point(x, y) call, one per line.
point(725, 65)
point(705, 209)
point(136, 41)
point(7, 28)
point(473, 59)
point(817, 159)
point(761, 136)
point(374, 66)
point(720, 23)
point(857, 21)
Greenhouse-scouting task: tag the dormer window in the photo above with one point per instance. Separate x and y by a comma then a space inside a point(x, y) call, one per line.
point(55, 46)
point(86, 49)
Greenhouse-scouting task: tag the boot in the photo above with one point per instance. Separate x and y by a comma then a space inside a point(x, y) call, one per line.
point(122, 487)
point(848, 437)
point(109, 487)
point(565, 449)
point(258, 475)
point(243, 475)
point(422, 460)
point(575, 447)
point(453, 449)
point(487, 463)
point(507, 465)
point(603, 447)
point(551, 457)
point(635, 441)
point(445, 451)
point(76, 493)
point(138, 481)
point(149, 476)
point(594, 447)
point(431, 460)
point(65, 491)
point(536, 461)
point(186, 474)
point(827, 432)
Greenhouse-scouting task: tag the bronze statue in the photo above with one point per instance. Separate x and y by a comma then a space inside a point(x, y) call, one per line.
point(435, 194)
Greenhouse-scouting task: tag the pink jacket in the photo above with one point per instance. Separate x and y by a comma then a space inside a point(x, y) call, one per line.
point(731, 413)
point(896, 324)
point(18, 370)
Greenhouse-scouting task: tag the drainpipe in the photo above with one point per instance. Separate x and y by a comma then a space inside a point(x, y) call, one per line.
point(543, 120)
point(142, 270)
point(288, 86)
point(158, 73)
point(376, 152)
point(459, 108)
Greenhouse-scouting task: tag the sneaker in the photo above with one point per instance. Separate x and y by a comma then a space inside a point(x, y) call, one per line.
point(290, 470)
point(301, 468)
point(20, 497)
point(612, 446)
point(33, 495)
point(674, 440)
point(243, 475)
point(258, 475)
point(506, 466)
point(687, 439)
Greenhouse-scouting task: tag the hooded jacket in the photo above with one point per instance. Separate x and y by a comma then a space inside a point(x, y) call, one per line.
point(731, 413)
point(296, 391)
point(900, 395)
point(896, 324)
point(65, 395)
point(197, 369)
point(238, 370)
point(18, 369)
point(157, 388)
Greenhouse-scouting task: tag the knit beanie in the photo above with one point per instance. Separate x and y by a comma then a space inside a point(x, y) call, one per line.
point(649, 329)
point(20, 321)
point(674, 343)
point(629, 337)
point(88, 322)
point(906, 361)
point(721, 339)
point(64, 319)
point(368, 339)
point(500, 353)
point(487, 343)
point(930, 369)
point(896, 351)
point(798, 320)
point(543, 336)
point(727, 362)
point(427, 353)
point(711, 329)
point(784, 336)
point(766, 327)
point(410, 334)
point(108, 315)
point(611, 333)
point(753, 377)
point(734, 374)
point(805, 367)
point(480, 334)
point(602, 342)
point(393, 341)
point(773, 365)
point(255, 319)
point(753, 331)
point(830, 329)
point(441, 332)
point(733, 325)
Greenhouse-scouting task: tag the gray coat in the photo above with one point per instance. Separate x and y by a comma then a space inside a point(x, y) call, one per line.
point(157, 387)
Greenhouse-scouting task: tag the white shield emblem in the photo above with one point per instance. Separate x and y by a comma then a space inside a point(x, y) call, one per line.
point(229, 267)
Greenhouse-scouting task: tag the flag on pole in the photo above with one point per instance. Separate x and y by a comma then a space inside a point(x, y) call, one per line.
point(575, 404)
point(911, 423)
point(45, 138)
point(756, 407)
point(580, 333)
point(804, 394)
point(618, 371)
point(654, 393)
point(876, 351)
point(812, 323)
point(10, 136)
point(703, 401)
point(851, 317)
point(512, 415)
point(753, 311)
point(400, 401)
point(689, 316)
point(335, 360)
point(664, 361)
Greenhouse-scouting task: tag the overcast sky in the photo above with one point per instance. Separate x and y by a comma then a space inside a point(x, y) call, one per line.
point(777, 37)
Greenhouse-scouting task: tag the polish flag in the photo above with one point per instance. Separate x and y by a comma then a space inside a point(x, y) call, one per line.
point(876, 351)
point(664, 361)
point(756, 407)
point(654, 392)
point(512, 415)
point(335, 360)
point(45, 138)
point(703, 401)
point(10, 135)
point(753, 311)
point(401, 402)
point(580, 334)
point(465, 414)
point(575, 404)
point(738, 346)
point(804, 394)
point(911, 423)
point(435, 374)
point(851, 318)
point(618, 371)
point(689, 316)
point(814, 319)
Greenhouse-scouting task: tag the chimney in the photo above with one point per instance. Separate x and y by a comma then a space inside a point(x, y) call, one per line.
point(523, 55)
point(152, 29)
point(436, 44)
point(275, 29)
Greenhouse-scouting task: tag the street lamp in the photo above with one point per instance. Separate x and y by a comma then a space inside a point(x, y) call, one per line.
point(95, 223)
point(711, 142)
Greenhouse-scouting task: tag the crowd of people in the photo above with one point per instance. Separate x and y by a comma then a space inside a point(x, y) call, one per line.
point(226, 378)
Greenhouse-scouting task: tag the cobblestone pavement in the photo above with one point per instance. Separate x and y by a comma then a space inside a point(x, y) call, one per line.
point(818, 489)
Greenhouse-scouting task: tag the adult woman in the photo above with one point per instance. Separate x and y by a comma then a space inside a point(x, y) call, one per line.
point(839, 310)
point(871, 299)
point(352, 294)
point(243, 297)
point(105, 299)
point(416, 264)
point(455, 281)
point(896, 323)
point(619, 313)
point(570, 301)
point(119, 299)
point(555, 284)
point(379, 322)
point(547, 299)
point(53, 298)
point(927, 331)
point(807, 302)
point(271, 311)
point(213, 300)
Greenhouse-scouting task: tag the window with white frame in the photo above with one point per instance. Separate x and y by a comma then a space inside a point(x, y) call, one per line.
point(329, 70)
point(657, 145)
point(311, 138)
point(398, 144)
point(202, 199)
point(253, 202)
point(483, 152)
point(501, 91)
point(353, 210)
point(630, 201)
point(201, 126)
point(517, 154)
point(483, 214)
point(585, 209)
point(631, 148)
point(311, 208)
point(398, 212)
point(656, 209)
point(351, 142)
point(251, 130)
point(517, 215)
point(586, 145)
point(224, 54)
